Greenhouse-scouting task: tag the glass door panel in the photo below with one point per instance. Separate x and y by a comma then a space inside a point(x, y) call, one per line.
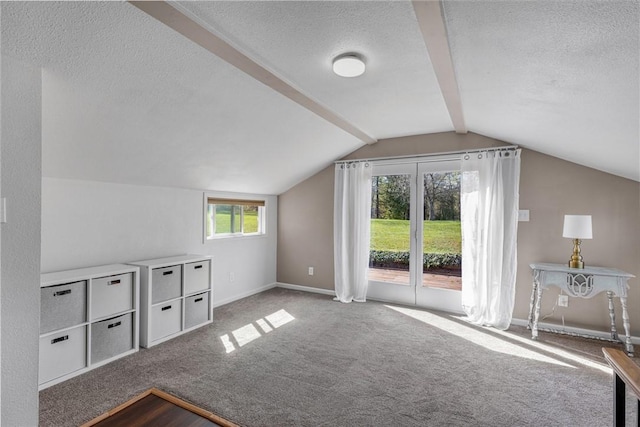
point(439, 274)
point(442, 239)
point(392, 247)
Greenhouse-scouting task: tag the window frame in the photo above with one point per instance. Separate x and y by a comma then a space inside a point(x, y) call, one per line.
point(236, 204)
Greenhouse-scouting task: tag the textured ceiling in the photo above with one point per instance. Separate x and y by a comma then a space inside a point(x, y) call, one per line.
point(126, 99)
point(397, 96)
point(558, 77)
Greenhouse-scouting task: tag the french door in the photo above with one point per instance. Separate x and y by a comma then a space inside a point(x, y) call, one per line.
point(415, 234)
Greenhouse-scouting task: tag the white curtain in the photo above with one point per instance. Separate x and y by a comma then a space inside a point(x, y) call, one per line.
point(351, 219)
point(489, 215)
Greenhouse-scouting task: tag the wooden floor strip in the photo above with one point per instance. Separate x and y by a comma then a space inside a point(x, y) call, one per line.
point(155, 407)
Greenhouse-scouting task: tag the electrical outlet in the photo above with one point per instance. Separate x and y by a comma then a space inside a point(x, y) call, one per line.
point(310, 271)
point(232, 276)
point(563, 300)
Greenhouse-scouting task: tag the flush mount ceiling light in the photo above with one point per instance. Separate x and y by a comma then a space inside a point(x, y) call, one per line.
point(348, 65)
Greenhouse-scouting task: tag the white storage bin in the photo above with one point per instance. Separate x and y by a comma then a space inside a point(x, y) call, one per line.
point(62, 353)
point(166, 283)
point(196, 276)
point(62, 306)
point(111, 295)
point(196, 310)
point(111, 337)
point(166, 319)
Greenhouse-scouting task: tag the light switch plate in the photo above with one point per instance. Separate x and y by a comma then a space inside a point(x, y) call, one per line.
point(523, 215)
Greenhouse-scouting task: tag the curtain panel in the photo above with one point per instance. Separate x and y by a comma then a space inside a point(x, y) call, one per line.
point(351, 230)
point(489, 216)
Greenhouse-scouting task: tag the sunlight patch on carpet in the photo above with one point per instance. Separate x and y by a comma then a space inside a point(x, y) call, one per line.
point(279, 318)
point(558, 352)
point(246, 334)
point(264, 326)
point(250, 332)
point(477, 337)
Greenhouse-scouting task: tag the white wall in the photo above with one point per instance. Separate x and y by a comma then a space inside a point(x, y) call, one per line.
point(21, 160)
point(86, 223)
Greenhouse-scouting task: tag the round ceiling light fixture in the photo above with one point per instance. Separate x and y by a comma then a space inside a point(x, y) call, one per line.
point(348, 65)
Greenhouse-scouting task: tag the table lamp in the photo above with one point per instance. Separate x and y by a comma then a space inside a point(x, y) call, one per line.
point(577, 227)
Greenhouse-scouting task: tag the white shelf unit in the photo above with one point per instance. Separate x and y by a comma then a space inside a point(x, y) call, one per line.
point(88, 318)
point(176, 296)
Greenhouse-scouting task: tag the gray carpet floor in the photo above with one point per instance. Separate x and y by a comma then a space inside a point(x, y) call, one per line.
point(290, 358)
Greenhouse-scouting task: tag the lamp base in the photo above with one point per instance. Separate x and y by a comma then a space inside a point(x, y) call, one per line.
point(576, 264)
point(576, 258)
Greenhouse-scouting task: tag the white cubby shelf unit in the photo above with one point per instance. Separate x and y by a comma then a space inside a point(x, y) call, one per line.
point(175, 295)
point(88, 318)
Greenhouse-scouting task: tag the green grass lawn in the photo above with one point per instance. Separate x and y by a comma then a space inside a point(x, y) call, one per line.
point(223, 222)
point(393, 235)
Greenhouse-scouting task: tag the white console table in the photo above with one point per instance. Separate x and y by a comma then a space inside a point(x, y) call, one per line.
point(583, 283)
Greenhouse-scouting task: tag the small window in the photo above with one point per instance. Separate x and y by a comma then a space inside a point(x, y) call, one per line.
point(230, 217)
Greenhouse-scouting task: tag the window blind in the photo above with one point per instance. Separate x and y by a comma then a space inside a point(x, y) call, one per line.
point(240, 202)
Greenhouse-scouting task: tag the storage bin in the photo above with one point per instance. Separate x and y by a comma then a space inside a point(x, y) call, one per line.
point(62, 306)
point(62, 353)
point(111, 295)
point(196, 276)
point(111, 337)
point(196, 310)
point(166, 319)
point(166, 283)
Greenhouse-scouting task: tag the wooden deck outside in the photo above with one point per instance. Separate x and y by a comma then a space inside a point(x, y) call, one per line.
point(428, 280)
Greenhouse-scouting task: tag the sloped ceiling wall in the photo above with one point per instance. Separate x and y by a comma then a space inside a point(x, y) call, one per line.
point(560, 77)
point(127, 99)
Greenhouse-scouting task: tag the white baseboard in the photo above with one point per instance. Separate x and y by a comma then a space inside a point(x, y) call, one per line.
point(306, 289)
point(218, 303)
point(605, 335)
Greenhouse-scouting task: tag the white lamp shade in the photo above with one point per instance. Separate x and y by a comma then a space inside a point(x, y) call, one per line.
point(577, 227)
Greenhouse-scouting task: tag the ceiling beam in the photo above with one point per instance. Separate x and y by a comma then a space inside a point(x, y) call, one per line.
point(197, 33)
point(431, 21)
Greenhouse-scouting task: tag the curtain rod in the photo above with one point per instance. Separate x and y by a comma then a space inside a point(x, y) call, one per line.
point(420, 156)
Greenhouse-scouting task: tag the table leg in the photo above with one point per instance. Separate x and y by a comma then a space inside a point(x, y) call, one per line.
point(627, 326)
point(532, 302)
point(534, 328)
point(612, 316)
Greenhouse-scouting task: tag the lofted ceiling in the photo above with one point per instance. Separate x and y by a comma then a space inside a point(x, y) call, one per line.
point(128, 99)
